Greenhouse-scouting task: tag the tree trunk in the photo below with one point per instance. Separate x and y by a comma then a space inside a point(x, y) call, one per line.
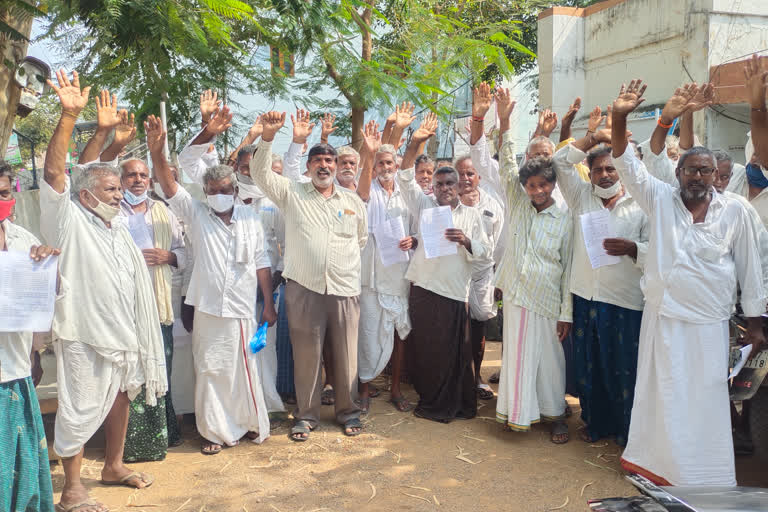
point(359, 106)
point(358, 121)
point(14, 52)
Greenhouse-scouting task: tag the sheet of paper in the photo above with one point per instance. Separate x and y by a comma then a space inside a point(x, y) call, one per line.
point(432, 225)
point(27, 292)
point(738, 365)
point(388, 235)
point(596, 227)
point(139, 232)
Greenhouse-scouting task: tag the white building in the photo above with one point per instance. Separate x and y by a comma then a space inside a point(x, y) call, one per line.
point(590, 52)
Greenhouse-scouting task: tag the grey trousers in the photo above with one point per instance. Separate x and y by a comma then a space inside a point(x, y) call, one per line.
point(315, 318)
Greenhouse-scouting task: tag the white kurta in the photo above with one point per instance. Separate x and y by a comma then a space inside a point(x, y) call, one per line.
point(680, 429)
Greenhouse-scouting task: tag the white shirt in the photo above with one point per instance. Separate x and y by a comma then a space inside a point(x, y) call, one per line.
point(448, 276)
point(373, 274)
point(617, 284)
point(492, 214)
point(273, 223)
point(194, 159)
point(97, 270)
point(740, 185)
point(292, 164)
point(16, 347)
point(221, 285)
point(691, 269)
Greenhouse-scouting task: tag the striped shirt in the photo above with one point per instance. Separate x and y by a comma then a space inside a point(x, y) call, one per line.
point(323, 236)
point(535, 271)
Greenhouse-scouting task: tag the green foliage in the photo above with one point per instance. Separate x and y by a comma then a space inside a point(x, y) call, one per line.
point(18, 9)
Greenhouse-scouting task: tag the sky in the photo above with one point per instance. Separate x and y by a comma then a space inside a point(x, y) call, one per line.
point(523, 123)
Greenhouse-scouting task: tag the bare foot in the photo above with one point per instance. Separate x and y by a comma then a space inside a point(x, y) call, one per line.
point(79, 494)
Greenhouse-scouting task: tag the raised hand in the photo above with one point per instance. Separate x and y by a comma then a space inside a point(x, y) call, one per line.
point(153, 127)
point(302, 126)
point(255, 131)
point(572, 111)
point(755, 77)
point(272, 122)
point(609, 117)
point(481, 100)
point(125, 131)
point(596, 118)
point(220, 121)
point(209, 103)
point(427, 129)
point(505, 105)
point(630, 97)
point(704, 98)
point(679, 103)
point(371, 138)
point(404, 115)
point(106, 111)
point(549, 123)
point(72, 99)
point(327, 127)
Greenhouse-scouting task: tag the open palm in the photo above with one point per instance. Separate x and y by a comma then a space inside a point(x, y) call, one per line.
point(72, 99)
point(630, 97)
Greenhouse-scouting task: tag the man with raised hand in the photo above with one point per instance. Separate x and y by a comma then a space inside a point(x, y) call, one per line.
point(231, 261)
point(106, 329)
point(607, 301)
point(700, 247)
point(325, 229)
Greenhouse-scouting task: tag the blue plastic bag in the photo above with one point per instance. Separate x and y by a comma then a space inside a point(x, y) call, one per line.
point(259, 340)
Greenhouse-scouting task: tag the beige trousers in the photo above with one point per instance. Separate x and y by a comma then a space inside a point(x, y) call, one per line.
point(313, 319)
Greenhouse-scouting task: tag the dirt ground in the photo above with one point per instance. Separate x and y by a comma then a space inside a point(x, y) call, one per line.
point(399, 463)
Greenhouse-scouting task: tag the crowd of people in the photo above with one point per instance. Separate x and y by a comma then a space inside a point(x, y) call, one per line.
point(338, 269)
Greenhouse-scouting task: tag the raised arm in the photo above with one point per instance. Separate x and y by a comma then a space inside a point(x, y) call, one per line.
point(302, 129)
point(403, 119)
point(153, 127)
point(209, 103)
point(191, 158)
point(565, 124)
point(481, 103)
point(426, 131)
point(254, 132)
point(676, 106)
point(73, 101)
point(565, 159)
point(371, 144)
point(276, 187)
point(508, 170)
point(547, 124)
point(327, 127)
point(107, 118)
point(125, 132)
point(756, 81)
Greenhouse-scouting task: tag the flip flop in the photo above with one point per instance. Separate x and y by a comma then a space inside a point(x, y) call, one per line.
point(558, 429)
point(401, 403)
point(364, 404)
point(76, 506)
point(210, 450)
point(123, 482)
point(300, 427)
point(373, 391)
point(328, 396)
point(353, 423)
point(494, 378)
point(484, 392)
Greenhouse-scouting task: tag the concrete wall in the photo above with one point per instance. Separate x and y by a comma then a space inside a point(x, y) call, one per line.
point(591, 52)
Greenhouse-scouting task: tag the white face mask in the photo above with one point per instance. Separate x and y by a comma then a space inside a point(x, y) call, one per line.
point(103, 210)
point(133, 199)
point(221, 203)
point(246, 188)
point(607, 193)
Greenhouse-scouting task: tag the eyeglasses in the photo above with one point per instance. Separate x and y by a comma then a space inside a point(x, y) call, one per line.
point(704, 171)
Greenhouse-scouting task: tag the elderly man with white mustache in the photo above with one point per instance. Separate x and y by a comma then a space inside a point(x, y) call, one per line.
point(384, 295)
point(325, 227)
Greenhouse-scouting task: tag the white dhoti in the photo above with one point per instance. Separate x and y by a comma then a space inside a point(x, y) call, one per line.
point(228, 397)
point(88, 381)
point(482, 305)
point(182, 370)
point(266, 360)
point(380, 315)
point(532, 379)
point(680, 432)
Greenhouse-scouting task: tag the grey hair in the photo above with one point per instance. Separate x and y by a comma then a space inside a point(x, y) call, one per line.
point(219, 172)
point(90, 174)
point(388, 149)
point(538, 140)
point(696, 151)
point(459, 159)
point(672, 141)
point(348, 150)
point(423, 159)
point(722, 156)
point(276, 158)
point(124, 163)
point(246, 150)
